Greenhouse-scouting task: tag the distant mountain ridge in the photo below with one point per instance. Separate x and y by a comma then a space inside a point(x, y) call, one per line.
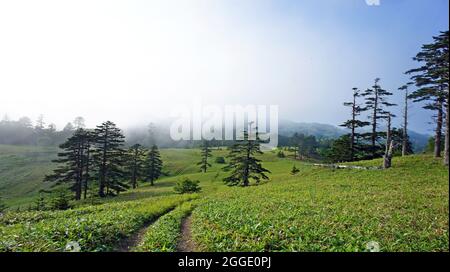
point(287, 128)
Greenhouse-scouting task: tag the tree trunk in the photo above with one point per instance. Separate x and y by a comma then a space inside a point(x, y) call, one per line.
point(86, 176)
point(101, 190)
point(352, 140)
point(374, 125)
point(405, 126)
point(447, 136)
point(387, 162)
point(438, 137)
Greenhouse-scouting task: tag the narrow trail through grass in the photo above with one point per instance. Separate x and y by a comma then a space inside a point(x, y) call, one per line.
point(186, 244)
point(127, 244)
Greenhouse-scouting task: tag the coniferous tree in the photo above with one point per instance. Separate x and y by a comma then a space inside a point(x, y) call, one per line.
point(205, 154)
point(73, 163)
point(339, 150)
point(398, 136)
point(88, 162)
point(110, 159)
point(136, 164)
point(154, 165)
point(405, 137)
point(353, 124)
point(387, 158)
point(244, 165)
point(432, 81)
point(376, 103)
point(2, 205)
point(294, 170)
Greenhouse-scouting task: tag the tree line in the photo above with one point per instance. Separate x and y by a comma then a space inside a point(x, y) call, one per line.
point(99, 159)
point(431, 82)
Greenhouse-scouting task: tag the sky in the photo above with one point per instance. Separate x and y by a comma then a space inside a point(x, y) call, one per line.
point(133, 61)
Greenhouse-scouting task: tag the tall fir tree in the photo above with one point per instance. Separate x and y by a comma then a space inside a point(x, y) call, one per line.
point(354, 123)
point(73, 160)
point(244, 165)
point(110, 159)
point(154, 165)
point(136, 164)
point(376, 104)
point(432, 79)
point(205, 154)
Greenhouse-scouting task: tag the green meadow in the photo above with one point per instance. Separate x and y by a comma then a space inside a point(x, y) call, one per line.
point(405, 208)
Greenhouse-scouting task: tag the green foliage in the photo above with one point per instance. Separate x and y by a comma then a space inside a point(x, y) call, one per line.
point(205, 154)
point(377, 105)
point(135, 166)
point(187, 186)
point(110, 159)
point(164, 234)
point(295, 170)
point(305, 146)
point(281, 154)
point(61, 201)
point(40, 204)
point(340, 150)
point(73, 162)
point(154, 165)
point(94, 228)
point(2, 206)
point(430, 145)
point(244, 164)
point(220, 160)
point(328, 210)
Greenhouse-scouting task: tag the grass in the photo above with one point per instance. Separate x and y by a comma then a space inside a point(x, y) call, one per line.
point(402, 209)
point(405, 208)
point(96, 228)
point(164, 234)
point(22, 169)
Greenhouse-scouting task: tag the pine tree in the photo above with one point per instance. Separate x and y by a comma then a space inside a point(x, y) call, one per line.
point(376, 103)
point(339, 150)
point(110, 159)
point(136, 164)
point(387, 158)
point(405, 136)
point(205, 154)
point(154, 165)
point(432, 81)
point(353, 124)
point(73, 162)
point(88, 162)
point(2, 205)
point(40, 203)
point(243, 163)
point(294, 170)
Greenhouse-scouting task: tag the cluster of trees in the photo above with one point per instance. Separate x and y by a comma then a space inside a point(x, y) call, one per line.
point(24, 132)
point(431, 80)
point(99, 157)
point(305, 146)
point(362, 143)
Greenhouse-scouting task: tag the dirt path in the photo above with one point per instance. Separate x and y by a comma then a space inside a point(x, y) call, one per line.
point(125, 245)
point(186, 244)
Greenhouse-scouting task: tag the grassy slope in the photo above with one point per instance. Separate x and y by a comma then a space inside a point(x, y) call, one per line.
point(22, 169)
point(404, 208)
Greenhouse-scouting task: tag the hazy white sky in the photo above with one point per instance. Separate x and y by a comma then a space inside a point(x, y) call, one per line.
point(128, 61)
